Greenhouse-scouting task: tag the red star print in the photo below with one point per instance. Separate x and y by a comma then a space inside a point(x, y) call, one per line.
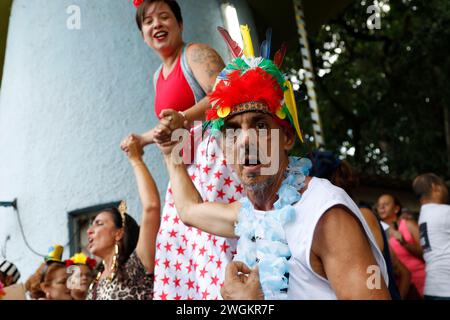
point(214, 241)
point(210, 187)
point(198, 166)
point(173, 233)
point(199, 232)
point(172, 205)
point(163, 296)
point(203, 152)
point(227, 182)
point(203, 272)
point(231, 200)
point(176, 282)
point(224, 162)
point(177, 297)
point(206, 169)
point(166, 218)
point(197, 288)
point(218, 174)
point(168, 246)
point(214, 280)
point(165, 280)
point(194, 245)
point(219, 263)
point(177, 266)
point(193, 177)
point(180, 250)
point(157, 262)
point(220, 194)
point(158, 246)
point(176, 220)
point(195, 265)
point(205, 294)
point(190, 298)
point(170, 190)
point(211, 258)
point(190, 284)
point(239, 188)
point(185, 240)
point(213, 157)
point(209, 237)
point(202, 251)
point(166, 263)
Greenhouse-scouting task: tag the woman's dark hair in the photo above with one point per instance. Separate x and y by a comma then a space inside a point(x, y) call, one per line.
point(396, 203)
point(327, 165)
point(130, 237)
point(173, 5)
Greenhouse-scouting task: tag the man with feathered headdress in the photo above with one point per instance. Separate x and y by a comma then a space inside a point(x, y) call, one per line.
point(307, 238)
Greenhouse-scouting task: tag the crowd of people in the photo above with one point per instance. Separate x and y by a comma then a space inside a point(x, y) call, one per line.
point(231, 226)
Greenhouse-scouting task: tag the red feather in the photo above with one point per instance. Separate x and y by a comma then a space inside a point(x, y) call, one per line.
point(235, 50)
point(279, 56)
point(254, 85)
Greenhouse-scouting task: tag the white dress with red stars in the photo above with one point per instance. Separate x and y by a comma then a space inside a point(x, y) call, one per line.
point(190, 264)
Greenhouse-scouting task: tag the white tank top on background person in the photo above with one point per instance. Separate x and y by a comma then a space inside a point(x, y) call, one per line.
point(321, 195)
point(434, 226)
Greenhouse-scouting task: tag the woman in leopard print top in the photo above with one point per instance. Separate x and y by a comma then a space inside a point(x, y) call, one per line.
point(127, 251)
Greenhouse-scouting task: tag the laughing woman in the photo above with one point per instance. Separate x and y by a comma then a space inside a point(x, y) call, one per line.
point(127, 251)
point(186, 75)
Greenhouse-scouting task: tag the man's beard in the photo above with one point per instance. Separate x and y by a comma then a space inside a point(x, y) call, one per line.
point(260, 189)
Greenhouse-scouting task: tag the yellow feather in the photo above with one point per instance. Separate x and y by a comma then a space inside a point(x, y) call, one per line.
point(292, 107)
point(247, 39)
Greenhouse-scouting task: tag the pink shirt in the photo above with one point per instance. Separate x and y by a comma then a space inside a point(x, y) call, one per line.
point(415, 265)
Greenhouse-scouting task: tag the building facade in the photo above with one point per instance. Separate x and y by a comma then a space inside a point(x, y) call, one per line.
point(77, 79)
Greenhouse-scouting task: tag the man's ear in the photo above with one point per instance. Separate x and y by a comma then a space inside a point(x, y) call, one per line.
point(289, 138)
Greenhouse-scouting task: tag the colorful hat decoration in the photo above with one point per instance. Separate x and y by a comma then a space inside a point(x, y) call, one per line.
point(252, 84)
point(81, 259)
point(55, 253)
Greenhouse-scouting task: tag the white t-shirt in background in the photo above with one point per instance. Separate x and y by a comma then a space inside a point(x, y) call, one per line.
point(434, 226)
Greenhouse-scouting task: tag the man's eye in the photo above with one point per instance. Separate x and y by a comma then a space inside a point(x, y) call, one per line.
point(261, 125)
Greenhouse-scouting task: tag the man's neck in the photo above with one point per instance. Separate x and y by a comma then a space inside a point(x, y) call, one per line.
point(430, 201)
point(264, 196)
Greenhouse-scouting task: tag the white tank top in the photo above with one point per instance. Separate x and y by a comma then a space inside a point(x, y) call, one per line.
point(321, 195)
point(434, 226)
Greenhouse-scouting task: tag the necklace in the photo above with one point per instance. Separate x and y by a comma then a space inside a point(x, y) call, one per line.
point(262, 239)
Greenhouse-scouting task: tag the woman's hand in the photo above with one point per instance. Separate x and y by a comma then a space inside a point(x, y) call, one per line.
point(139, 140)
point(397, 235)
point(133, 149)
point(171, 120)
point(176, 120)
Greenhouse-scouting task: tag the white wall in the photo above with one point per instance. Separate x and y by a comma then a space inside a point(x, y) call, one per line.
point(68, 97)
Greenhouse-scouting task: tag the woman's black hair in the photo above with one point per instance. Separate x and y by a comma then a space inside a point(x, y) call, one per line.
point(130, 237)
point(173, 5)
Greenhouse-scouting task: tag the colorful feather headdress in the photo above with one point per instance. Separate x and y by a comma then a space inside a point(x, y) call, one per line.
point(80, 259)
point(250, 83)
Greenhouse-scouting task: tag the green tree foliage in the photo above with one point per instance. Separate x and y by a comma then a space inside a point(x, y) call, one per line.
point(382, 92)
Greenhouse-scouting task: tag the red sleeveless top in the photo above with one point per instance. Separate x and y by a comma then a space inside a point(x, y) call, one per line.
point(173, 92)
